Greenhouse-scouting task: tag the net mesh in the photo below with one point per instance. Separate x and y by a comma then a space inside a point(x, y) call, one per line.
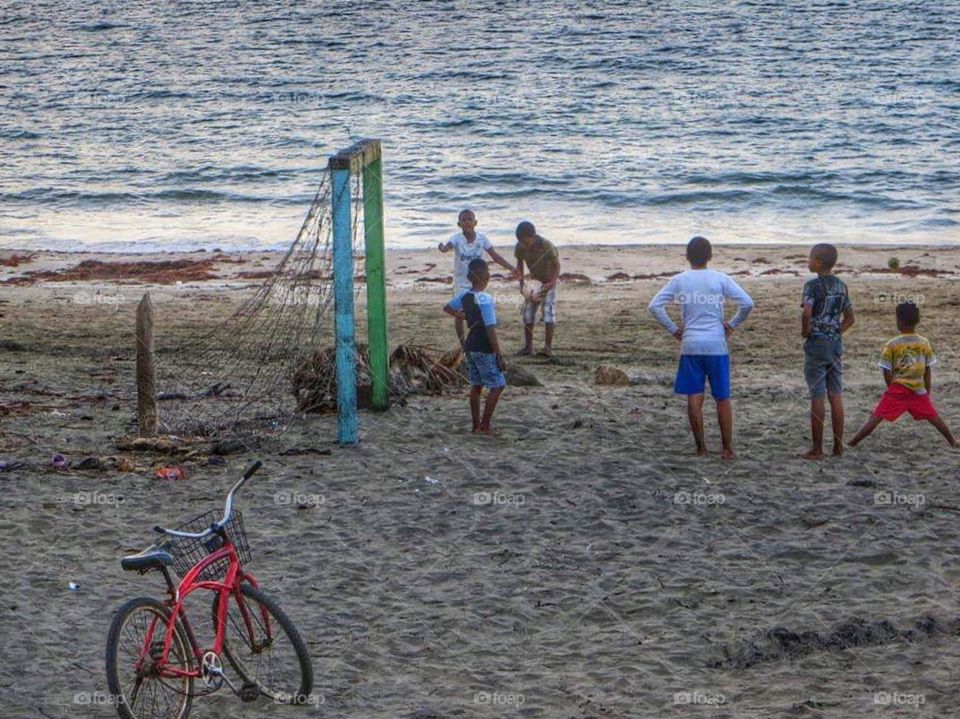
point(236, 378)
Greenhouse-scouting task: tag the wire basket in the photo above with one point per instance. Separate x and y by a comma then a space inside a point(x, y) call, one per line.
point(187, 552)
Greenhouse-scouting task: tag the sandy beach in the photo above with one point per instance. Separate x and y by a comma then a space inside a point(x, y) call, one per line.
point(584, 564)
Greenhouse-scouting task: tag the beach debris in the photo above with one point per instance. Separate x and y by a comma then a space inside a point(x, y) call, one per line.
point(171, 473)
point(296, 451)
point(616, 377)
point(59, 461)
point(575, 277)
point(782, 643)
point(519, 376)
point(228, 446)
point(314, 381)
point(215, 460)
point(17, 260)
point(893, 263)
point(165, 445)
point(164, 272)
point(422, 374)
point(88, 463)
point(618, 277)
point(73, 586)
point(8, 465)
point(122, 464)
point(611, 376)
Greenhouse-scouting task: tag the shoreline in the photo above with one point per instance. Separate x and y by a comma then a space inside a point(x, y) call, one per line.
point(905, 246)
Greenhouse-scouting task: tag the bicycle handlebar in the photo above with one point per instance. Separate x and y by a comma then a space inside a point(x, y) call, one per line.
point(227, 509)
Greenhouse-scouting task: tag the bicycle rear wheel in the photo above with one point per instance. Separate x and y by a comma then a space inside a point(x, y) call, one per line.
point(141, 694)
point(264, 647)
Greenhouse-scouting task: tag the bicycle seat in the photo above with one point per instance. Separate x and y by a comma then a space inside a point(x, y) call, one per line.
point(149, 558)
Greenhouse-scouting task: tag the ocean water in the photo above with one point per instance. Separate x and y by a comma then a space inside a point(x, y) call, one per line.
point(162, 125)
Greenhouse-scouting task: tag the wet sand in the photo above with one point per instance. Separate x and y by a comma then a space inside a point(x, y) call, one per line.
point(584, 564)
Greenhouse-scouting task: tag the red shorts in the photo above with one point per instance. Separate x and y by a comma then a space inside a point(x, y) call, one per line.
point(899, 399)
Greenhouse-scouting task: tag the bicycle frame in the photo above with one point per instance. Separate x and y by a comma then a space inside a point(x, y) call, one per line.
point(235, 576)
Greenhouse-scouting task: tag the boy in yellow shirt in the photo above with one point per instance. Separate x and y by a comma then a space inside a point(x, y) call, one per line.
point(906, 362)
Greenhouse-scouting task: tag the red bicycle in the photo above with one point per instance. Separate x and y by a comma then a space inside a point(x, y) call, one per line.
point(153, 657)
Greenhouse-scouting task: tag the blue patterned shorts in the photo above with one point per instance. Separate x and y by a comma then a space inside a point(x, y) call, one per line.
point(484, 370)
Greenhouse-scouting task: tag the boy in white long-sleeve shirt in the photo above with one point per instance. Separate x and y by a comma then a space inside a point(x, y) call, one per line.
point(704, 355)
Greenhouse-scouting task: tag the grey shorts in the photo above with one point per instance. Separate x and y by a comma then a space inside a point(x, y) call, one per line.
point(823, 366)
point(547, 309)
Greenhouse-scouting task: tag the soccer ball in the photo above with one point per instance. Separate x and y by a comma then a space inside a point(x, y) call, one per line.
point(533, 291)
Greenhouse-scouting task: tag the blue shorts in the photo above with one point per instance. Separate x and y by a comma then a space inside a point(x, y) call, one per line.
point(694, 370)
point(484, 370)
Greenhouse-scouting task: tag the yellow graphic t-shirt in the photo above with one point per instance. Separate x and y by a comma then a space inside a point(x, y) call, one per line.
point(907, 358)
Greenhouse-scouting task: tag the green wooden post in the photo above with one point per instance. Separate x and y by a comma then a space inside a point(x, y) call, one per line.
point(375, 266)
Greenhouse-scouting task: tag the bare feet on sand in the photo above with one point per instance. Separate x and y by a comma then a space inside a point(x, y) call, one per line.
point(812, 454)
point(524, 352)
point(838, 450)
point(702, 452)
point(488, 432)
point(728, 454)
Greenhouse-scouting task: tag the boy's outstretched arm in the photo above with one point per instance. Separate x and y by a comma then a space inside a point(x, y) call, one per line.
point(658, 308)
point(498, 258)
point(848, 320)
point(520, 271)
point(445, 246)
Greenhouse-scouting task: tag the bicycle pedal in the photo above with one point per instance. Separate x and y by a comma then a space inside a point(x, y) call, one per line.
point(249, 693)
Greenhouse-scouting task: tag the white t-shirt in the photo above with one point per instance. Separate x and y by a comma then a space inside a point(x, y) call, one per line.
point(465, 253)
point(701, 294)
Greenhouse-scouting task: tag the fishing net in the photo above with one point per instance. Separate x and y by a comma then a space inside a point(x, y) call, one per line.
point(238, 376)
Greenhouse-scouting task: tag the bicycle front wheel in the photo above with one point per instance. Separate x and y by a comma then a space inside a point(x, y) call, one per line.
point(135, 638)
point(265, 648)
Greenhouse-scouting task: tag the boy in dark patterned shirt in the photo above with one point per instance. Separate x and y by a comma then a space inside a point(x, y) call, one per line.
point(827, 314)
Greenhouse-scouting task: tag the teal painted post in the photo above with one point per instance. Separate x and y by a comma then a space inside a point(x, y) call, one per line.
point(343, 309)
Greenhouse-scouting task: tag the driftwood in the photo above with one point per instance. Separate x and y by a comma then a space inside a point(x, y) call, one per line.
point(414, 370)
point(146, 372)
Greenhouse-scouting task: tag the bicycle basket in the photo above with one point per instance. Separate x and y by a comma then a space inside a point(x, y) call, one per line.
point(187, 552)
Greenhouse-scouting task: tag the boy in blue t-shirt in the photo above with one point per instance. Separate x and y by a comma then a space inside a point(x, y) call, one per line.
point(482, 348)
